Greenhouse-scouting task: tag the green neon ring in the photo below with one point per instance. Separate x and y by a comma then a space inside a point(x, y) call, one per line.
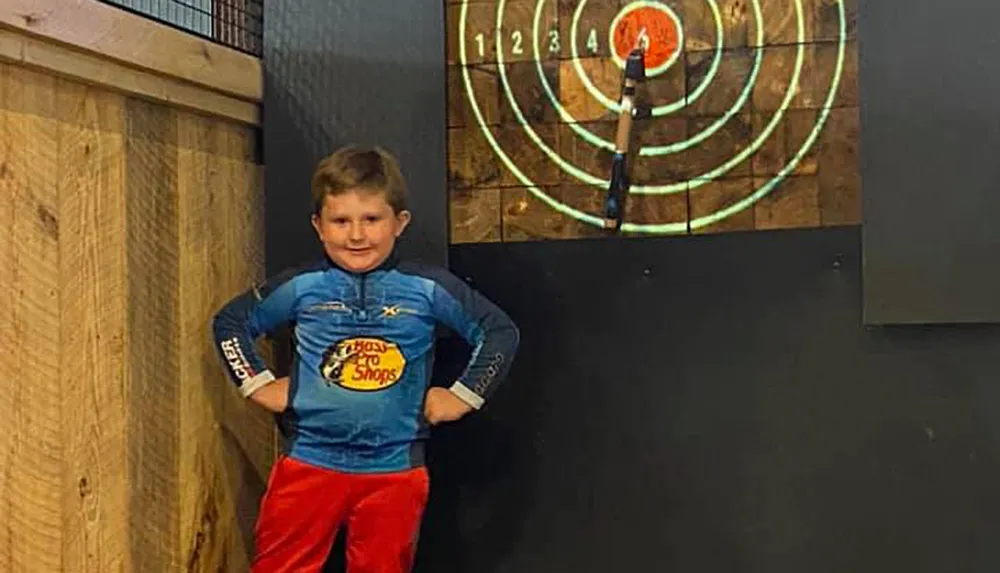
point(662, 110)
point(679, 187)
point(655, 150)
point(666, 228)
point(659, 110)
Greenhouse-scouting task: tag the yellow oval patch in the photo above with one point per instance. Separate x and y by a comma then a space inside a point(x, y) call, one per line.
point(364, 364)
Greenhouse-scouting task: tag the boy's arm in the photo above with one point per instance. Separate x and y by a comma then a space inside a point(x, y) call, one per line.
point(242, 320)
point(492, 334)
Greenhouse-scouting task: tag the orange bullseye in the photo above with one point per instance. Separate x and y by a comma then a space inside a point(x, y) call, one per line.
point(660, 26)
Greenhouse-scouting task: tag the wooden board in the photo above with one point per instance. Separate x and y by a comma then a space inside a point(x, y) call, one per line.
point(125, 226)
point(45, 55)
point(739, 154)
point(119, 35)
point(226, 444)
point(93, 291)
point(31, 447)
point(152, 332)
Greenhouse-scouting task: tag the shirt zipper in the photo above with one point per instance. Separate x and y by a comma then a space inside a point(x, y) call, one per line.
point(364, 307)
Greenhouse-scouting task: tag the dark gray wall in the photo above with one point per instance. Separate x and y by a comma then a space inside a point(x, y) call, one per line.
point(715, 404)
point(930, 135)
point(353, 71)
point(708, 403)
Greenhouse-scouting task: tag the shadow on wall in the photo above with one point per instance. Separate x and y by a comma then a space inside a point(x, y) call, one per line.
point(247, 486)
point(243, 478)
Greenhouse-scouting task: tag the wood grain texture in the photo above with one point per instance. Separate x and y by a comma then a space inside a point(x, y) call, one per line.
point(728, 123)
point(93, 286)
point(227, 444)
point(839, 180)
point(125, 225)
point(475, 216)
point(139, 42)
point(31, 449)
point(199, 400)
point(604, 75)
point(524, 219)
point(483, 79)
point(794, 204)
point(151, 330)
point(714, 196)
point(739, 25)
point(46, 55)
point(246, 430)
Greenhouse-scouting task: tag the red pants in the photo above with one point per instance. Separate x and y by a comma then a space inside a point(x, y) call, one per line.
point(304, 506)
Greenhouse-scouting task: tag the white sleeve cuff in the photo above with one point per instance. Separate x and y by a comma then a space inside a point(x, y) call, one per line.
point(467, 396)
point(256, 383)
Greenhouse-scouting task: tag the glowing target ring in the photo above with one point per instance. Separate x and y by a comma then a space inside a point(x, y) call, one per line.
point(690, 185)
point(662, 110)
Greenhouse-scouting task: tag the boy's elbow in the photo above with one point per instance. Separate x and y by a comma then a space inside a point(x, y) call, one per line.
point(225, 324)
point(510, 335)
point(515, 337)
point(220, 322)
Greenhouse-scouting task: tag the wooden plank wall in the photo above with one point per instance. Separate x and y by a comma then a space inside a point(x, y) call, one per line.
point(123, 226)
point(489, 203)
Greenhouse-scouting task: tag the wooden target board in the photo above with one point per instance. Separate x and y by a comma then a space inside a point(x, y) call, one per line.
point(754, 124)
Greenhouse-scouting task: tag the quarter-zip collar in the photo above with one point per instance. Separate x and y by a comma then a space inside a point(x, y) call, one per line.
point(361, 310)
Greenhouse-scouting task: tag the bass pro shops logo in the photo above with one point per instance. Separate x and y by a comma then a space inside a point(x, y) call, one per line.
point(363, 364)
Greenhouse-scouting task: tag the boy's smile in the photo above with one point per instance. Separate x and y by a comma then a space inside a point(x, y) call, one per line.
point(358, 229)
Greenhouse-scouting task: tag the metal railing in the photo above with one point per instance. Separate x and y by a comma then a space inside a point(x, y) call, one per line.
point(238, 24)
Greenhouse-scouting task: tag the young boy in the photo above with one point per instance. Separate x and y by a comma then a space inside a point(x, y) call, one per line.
point(357, 394)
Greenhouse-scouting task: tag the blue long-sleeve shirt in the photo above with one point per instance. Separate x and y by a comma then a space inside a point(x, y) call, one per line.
point(363, 347)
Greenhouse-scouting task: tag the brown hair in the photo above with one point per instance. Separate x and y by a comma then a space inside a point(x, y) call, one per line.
point(354, 168)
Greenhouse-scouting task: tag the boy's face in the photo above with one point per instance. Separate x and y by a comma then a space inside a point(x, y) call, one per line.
point(358, 229)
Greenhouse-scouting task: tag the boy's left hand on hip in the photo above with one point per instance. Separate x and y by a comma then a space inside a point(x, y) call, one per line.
point(442, 405)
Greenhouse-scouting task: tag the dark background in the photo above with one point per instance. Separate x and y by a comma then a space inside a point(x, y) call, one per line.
point(930, 133)
point(368, 72)
point(709, 404)
point(715, 404)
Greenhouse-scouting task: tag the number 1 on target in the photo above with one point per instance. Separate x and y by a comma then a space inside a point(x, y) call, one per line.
point(481, 42)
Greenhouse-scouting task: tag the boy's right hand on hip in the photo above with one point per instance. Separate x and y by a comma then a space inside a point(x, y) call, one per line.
point(273, 397)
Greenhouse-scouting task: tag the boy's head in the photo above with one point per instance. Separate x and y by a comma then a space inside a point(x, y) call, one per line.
point(359, 206)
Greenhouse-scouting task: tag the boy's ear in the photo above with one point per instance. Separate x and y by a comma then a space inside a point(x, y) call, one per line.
point(402, 220)
point(315, 223)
